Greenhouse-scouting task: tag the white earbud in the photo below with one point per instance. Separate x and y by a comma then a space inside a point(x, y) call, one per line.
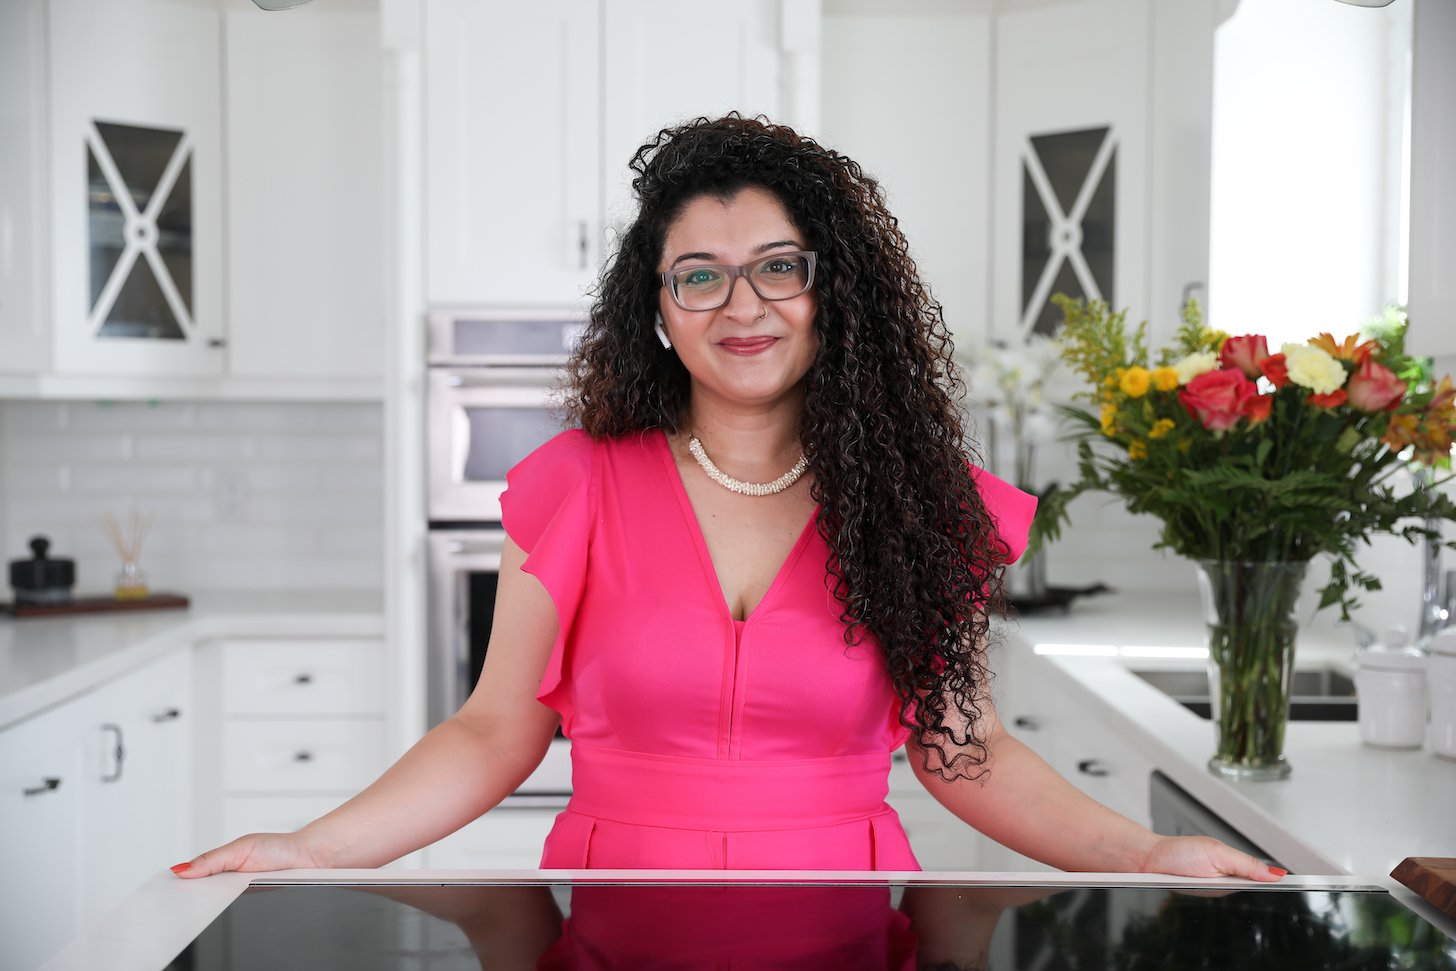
point(662, 333)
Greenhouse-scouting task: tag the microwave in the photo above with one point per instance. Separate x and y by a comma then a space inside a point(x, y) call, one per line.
point(493, 396)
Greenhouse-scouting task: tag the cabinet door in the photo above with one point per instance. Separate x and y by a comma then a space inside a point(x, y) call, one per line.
point(24, 333)
point(136, 192)
point(1070, 146)
point(39, 849)
point(667, 61)
point(136, 761)
point(509, 837)
point(305, 193)
point(1432, 159)
point(512, 121)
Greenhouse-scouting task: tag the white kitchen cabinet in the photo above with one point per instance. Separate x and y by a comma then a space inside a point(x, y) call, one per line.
point(136, 187)
point(938, 837)
point(24, 336)
point(303, 97)
point(532, 113)
point(40, 817)
point(1040, 710)
point(136, 780)
point(301, 730)
point(1101, 158)
point(509, 837)
point(1432, 300)
point(95, 798)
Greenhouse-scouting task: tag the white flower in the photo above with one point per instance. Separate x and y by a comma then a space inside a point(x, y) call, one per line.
point(1195, 364)
point(1309, 367)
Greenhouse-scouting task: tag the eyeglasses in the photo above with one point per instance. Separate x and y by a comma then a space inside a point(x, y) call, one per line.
point(781, 276)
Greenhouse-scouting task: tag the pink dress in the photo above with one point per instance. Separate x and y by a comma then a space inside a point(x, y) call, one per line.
point(698, 741)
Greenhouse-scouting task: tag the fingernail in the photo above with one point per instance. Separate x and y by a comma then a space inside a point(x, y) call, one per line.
point(184, 867)
point(1278, 872)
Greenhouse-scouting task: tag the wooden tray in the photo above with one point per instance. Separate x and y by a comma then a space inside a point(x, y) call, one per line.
point(95, 605)
point(1433, 877)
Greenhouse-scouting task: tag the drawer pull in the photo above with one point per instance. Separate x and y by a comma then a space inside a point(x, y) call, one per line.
point(900, 756)
point(118, 752)
point(304, 756)
point(304, 678)
point(49, 784)
point(171, 714)
point(1026, 722)
point(1093, 767)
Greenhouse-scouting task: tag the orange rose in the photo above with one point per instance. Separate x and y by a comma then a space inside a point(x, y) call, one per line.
point(1244, 353)
point(1258, 408)
point(1332, 400)
point(1274, 369)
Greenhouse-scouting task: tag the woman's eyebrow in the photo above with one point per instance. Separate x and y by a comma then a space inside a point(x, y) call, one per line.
point(758, 250)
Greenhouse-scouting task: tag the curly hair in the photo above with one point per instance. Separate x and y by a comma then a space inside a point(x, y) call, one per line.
point(914, 557)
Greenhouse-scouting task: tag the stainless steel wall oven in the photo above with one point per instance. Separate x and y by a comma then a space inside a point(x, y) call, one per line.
point(493, 391)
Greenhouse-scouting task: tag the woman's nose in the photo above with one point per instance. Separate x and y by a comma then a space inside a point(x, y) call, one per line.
point(744, 302)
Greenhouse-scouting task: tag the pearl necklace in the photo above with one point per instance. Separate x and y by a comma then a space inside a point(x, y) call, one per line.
point(746, 488)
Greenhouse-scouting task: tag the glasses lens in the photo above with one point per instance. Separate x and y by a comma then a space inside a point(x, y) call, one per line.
point(781, 277)
point(699, 287)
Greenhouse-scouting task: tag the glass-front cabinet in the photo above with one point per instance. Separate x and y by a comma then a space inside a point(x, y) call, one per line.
point(136, 195)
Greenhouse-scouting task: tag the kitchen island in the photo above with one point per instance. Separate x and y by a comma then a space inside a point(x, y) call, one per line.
point(371, 919)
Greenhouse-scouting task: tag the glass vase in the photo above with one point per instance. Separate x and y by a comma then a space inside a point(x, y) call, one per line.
point(1249, 611)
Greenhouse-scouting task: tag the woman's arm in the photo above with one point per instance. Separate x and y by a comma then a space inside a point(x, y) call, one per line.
point(460, 769)
point(1024, 804)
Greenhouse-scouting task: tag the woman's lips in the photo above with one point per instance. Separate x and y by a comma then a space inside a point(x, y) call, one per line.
point(747, 345)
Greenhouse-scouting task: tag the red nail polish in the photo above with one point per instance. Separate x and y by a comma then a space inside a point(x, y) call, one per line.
point(182, 867)
point(1278, 872)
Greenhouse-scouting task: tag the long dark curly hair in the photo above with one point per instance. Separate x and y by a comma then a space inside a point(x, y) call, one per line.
point(913, 553)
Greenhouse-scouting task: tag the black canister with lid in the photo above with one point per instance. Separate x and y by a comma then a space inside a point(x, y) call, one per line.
point(40, 579)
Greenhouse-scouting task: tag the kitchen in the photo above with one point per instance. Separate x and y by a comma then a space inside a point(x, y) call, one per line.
point(271, 460)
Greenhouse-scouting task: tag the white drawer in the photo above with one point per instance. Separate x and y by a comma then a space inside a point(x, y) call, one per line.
point(509, 837)
point(273, 814)
point(303, 677)
point(301, 756)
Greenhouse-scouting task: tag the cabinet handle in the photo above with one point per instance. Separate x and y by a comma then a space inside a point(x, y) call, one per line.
point(1093, 767)
point(49, 784)
point(303, 756)
point(119, 752)
point(171, 714)
point(900, 755)
point(304, 678)
point(1026, 722)
point(217, 342)
point(582, 244)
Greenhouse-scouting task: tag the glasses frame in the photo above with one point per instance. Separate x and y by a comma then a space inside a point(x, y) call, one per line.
point(744, 271)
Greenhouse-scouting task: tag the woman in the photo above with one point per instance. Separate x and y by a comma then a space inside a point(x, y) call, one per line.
point(760, 565)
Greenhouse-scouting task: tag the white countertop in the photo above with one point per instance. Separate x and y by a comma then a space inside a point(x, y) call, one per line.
point(1346, 808)
point(46, 660)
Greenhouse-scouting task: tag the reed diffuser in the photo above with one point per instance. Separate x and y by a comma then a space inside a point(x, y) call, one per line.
point(131, 582)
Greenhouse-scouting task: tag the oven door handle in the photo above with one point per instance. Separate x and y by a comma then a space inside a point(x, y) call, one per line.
point(466, 547)
point(545, 800)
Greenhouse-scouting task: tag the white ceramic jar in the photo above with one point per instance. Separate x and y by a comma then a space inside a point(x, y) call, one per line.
point(1442, 677)
point(1391, 688)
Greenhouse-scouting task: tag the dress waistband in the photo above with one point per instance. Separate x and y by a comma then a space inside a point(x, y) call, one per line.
point(726, 795)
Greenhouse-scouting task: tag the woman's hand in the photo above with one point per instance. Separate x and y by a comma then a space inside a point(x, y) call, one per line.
point(254, 852)
point(1204, 856)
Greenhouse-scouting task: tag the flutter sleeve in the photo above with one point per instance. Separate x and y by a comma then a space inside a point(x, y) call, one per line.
point(547, 510)
point(1010, 508)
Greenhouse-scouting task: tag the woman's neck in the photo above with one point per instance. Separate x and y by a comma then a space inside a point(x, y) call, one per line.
point(748, 442)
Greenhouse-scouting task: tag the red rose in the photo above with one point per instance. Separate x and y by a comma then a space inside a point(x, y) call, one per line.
point(1274, 369)
point(1217, 398)
point(1332, 400)
point(1374, 387)
point(1257, 408)
point(1244, 353)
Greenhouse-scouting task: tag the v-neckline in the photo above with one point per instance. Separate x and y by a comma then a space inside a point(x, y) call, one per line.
point(700, 542)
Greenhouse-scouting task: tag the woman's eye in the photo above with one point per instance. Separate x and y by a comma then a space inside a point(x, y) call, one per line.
point(699, 279)
point(783, 267)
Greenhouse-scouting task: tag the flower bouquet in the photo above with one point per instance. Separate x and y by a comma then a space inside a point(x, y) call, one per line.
point(1256, 462)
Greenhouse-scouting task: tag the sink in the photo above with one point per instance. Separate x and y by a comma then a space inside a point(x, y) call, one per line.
point(1317, 694)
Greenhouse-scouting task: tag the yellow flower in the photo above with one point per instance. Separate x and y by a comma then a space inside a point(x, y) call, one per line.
point(1138, 450)
point(1109, 415)
point(1165, 378)
point(1312, 368)
point(1135, 381)
point(1195, 364)
point(1185, 444)
point(1161, 427)
point(1110, 381)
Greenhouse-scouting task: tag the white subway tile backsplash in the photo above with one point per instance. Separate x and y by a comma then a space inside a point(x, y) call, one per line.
point(245, 495)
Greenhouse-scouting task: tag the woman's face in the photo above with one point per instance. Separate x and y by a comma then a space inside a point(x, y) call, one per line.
point(750, 352)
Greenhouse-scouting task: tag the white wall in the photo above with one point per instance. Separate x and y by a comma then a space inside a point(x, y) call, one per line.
point(246, 496)
point(1309, 101)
